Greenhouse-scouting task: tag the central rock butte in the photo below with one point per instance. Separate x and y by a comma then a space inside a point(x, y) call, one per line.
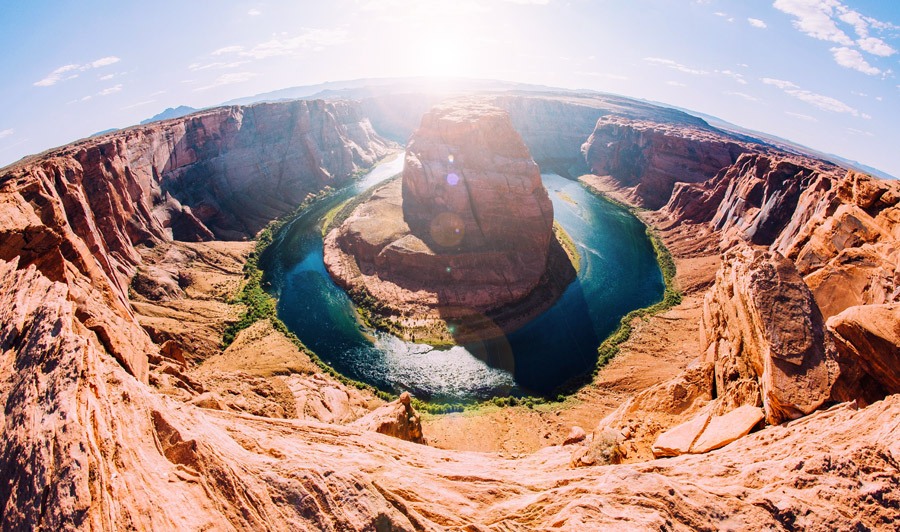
point(463, 247)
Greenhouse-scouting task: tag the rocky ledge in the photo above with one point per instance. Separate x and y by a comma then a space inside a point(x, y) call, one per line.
point(465, 236)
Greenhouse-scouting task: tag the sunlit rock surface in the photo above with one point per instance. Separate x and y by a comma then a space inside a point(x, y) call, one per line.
point(466, 231)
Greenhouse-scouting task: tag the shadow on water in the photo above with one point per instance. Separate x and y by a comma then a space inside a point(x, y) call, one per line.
point(618, 274)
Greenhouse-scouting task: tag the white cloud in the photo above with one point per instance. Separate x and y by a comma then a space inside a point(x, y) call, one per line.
point(139, 104)
point(103, 61)
point(756, 23)
point(228, 50)
point(315, 39)
point(850, 58)
point(734, 75)
point(60, 74)
point(820, 19)
point(876, 46)
point(254, 12)
point(675, 84)
point(743, 95)
point(799, 116)
point(860, 26)
point(107, 77)
point(674, 65)
point(157, 93)
point(780, 83)
point(6, 132)
point(228, 79)
point(854, 131)
point(814, 18)
point(110, 90)
point(216, 65)
point(826, 103)
point(529, 2)
point(71, 71)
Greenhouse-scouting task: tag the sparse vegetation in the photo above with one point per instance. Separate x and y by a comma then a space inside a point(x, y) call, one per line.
point(260, 305)
point(563, 195)
point(339, 214)
point(568, 244)
point(671, 297)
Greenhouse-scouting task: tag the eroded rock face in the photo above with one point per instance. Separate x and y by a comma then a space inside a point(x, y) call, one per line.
point(760, 322)
point(398, 419)
point(467, 164)
point(468, 229)
point(648, 158)
point(867, 341)
point(78, 213)
point(839, 228)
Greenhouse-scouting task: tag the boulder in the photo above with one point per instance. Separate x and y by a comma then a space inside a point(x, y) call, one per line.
point(867, 342)
point(398, 419)
point(722, 430)
point(679, 439)
point(760, 322)
point(575, 435)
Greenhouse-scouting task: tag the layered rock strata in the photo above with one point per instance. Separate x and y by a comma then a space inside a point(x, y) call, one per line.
point(87, 447)
point(80, 212)
point(647, 158)
point(468, 229)
point(762, 329)
point(840, 230)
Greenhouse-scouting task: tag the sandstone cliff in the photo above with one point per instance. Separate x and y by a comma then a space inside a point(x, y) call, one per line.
point(648, 157)
point(467, 231)
point(78, 213)
point(106, 453)
point(838, 229)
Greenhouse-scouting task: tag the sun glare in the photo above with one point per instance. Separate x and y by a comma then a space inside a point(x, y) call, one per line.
point(443, 43)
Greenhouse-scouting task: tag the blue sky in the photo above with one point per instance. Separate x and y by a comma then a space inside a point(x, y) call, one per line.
point(824, 73)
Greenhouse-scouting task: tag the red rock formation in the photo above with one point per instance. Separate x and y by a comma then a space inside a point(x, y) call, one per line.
point(867, 341)
point(761, 323)
point(468, 161)
point(841, 231)
point(468, 230)
point(397, 419)
point(648, 157)
point(78, 212)
point(88, 447)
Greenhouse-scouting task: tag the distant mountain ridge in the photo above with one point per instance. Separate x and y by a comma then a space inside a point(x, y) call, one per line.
point(171, 112)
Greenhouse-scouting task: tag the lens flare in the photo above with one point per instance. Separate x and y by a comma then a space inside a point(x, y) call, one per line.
point(447, 229)
point(450, 158)
point(452, 179)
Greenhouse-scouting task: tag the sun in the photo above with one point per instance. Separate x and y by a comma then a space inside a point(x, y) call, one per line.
point(438, 44)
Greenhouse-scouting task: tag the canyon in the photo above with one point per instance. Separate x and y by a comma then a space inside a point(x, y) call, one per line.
point(466, 231)
point(768, 393)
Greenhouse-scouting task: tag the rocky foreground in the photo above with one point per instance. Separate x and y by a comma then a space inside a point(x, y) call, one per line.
point(122, 411)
